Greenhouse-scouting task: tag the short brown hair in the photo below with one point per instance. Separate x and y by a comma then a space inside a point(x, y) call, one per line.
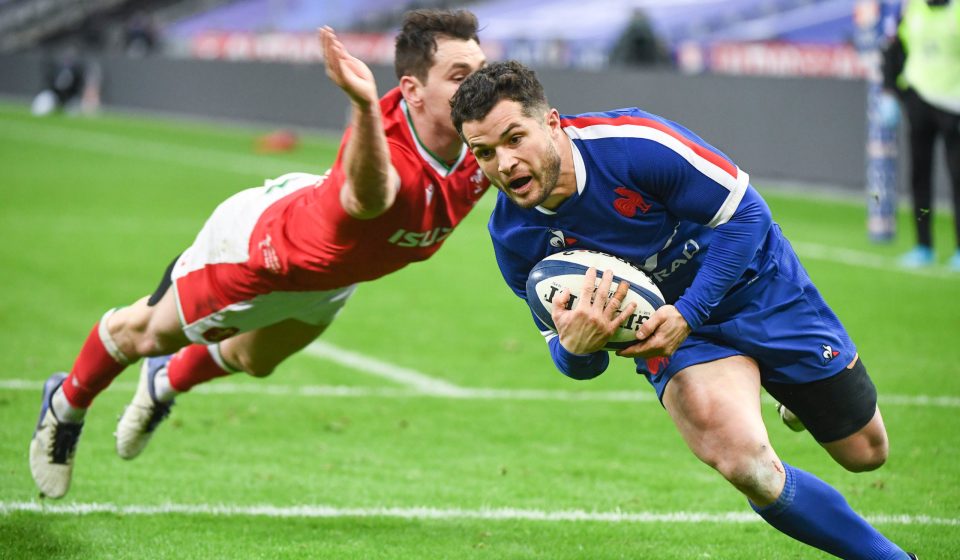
point(486, 87)
point(417, 41)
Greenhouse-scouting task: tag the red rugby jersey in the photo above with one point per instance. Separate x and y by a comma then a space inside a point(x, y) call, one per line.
point(315, 245)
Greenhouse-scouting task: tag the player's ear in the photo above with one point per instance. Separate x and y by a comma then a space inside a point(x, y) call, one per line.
point(412, 91)
point(553, 120)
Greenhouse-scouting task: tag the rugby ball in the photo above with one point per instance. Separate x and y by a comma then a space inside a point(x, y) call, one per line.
point(567, 269)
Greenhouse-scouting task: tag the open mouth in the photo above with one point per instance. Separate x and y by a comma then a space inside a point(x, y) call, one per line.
point(519, 183)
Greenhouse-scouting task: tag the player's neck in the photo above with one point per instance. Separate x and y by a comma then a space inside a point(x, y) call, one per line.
point(567, 181)
point(440, 139)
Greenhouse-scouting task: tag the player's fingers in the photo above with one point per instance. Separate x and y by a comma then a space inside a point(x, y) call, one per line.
point(561, 300)
point(620, 294)
point(589, 285)
point(603, 290)
point(626, 313)
point(649, 326)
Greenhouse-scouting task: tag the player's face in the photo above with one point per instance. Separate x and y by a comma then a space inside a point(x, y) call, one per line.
point(452, 63)
point(518, 154)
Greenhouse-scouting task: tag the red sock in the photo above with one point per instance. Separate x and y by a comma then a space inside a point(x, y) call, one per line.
point(192, 366)
point(93, 371)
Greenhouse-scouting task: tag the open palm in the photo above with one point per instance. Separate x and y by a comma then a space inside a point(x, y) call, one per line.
point(348, 72)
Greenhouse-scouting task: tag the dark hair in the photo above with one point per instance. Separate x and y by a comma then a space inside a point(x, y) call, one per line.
point(417, 41)
point(491, 84)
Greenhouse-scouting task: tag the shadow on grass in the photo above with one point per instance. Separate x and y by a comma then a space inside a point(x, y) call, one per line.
point(35, 536)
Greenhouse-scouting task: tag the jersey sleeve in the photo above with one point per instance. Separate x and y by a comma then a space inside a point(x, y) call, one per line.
point(700, 184)
point(693, 181)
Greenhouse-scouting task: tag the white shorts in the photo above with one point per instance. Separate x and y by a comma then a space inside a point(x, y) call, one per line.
point(206, 314)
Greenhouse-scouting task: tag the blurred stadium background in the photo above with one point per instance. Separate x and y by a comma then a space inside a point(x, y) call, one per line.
point(740, 72)
point(185, 102)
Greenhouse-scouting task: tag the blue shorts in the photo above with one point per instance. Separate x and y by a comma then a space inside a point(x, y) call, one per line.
point(779, 319)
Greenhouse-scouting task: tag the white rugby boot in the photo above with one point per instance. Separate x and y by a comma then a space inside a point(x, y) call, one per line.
point(53, 446)
point(790, 419)
point(144, 413)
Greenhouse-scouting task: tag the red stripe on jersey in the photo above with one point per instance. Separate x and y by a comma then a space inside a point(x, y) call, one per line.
point(705, 153)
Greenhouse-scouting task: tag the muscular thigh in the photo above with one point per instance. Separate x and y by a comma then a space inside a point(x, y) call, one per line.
point(716, 407)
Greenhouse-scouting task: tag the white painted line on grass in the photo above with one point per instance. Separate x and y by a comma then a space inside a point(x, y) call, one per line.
point(465, 393)
point(430, 513)
point(863, 259)
point(366, 364)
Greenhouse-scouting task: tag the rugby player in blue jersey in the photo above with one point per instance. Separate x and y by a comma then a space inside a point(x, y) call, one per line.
point(741, 311)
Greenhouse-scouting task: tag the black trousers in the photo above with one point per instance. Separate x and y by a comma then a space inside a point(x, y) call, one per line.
point(926, 124)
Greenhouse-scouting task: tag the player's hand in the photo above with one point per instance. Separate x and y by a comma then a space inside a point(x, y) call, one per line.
point(589, 325)
point(660, 335)
point(349, 73)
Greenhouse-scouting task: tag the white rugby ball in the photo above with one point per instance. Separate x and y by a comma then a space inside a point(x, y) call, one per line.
point(567, 269)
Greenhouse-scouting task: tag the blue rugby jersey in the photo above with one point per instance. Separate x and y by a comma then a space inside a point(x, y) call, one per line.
point(654, 193)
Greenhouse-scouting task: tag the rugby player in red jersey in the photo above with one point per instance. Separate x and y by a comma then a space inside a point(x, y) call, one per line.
point(273, 265)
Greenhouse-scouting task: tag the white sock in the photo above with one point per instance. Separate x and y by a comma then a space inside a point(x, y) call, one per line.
point(162, 388)
point(64, 411)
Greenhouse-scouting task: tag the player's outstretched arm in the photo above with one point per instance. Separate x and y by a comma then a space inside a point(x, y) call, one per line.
point(372, 182)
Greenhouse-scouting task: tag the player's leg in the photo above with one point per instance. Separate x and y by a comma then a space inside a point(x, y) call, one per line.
point(950, 129)
point(841, 413)
point(162, 378)
point(121, 337)
point(271, 328)
point(922, 135)
point(716, 408)
point(259, 352)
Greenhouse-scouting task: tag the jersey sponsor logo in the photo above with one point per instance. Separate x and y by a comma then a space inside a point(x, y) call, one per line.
point(630, 203)
point(404, 238)
point(828, 353)
point(217, 334)
point(559, 241)
point(690, 248)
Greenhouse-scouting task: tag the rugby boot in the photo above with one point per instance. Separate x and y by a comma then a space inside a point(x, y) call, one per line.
point(144, 413)
point(53, 445)
point(790, 419)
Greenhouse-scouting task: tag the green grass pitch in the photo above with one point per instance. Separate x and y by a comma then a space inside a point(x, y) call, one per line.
point(430, 422)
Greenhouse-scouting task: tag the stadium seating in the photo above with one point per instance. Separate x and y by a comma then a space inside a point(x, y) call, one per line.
point(538, 22)
point(286, 15)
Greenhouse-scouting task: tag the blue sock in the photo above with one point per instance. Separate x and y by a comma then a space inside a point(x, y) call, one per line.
point(813, 512)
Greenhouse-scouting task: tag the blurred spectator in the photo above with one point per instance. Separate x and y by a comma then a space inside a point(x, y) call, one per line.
point(922, 67)
point(70, 85)
point(140, 37)
point(639, 44)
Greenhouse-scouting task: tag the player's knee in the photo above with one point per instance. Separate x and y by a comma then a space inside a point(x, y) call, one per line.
point(151, 344)
point(753, 474)
point(251, 366)
point(867, 458)
point(259, 371)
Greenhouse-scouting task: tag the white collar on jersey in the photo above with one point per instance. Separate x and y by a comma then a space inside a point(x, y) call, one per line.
point(579, 171)
point(435, 162)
